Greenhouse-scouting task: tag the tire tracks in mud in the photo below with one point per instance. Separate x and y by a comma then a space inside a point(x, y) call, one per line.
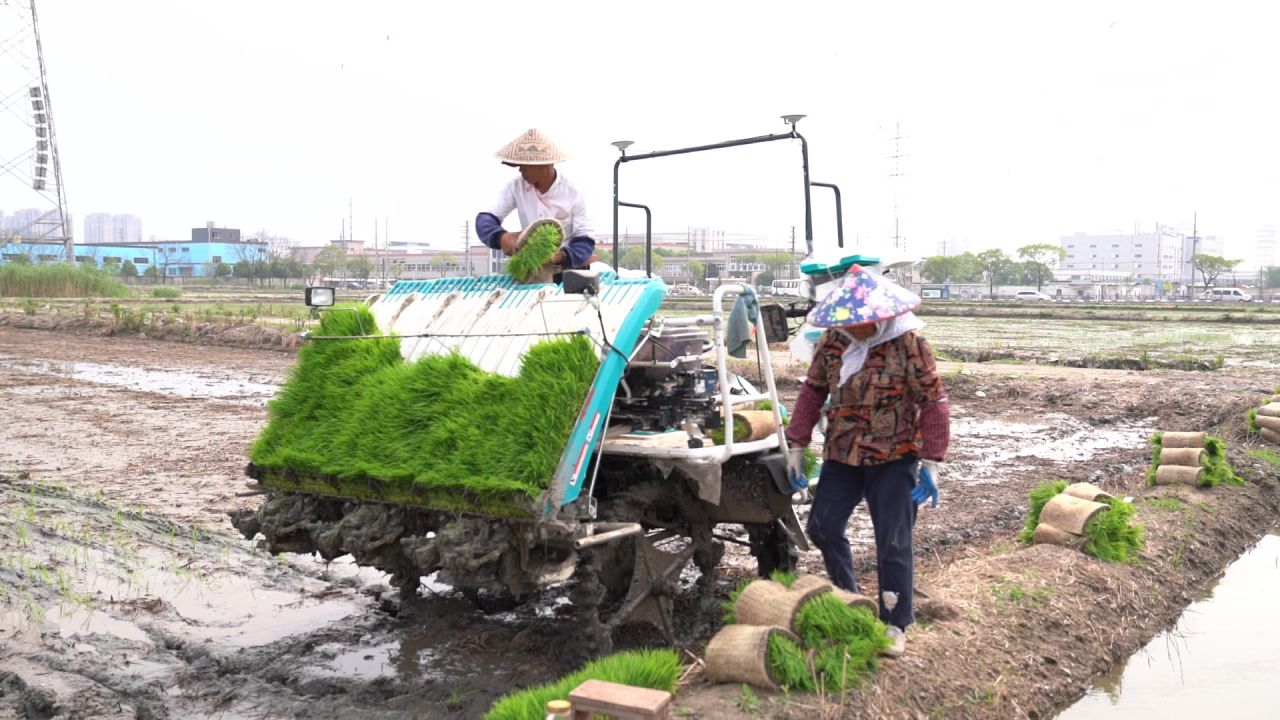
point(978, 658)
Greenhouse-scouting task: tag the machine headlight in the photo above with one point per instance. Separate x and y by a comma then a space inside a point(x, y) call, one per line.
point(319, 296)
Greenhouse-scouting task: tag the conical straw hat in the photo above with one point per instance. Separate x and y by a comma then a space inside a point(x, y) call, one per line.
point(862, 298)
point(531, 148)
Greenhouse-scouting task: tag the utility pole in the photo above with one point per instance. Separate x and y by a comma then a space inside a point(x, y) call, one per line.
point(791, 262)
point(466, 245)
point(1195, 241)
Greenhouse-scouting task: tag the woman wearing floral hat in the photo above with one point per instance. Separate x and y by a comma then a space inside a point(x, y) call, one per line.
point(540, 192)
point(887, 431)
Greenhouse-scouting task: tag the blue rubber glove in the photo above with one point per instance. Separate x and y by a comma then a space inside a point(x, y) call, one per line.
point(795, 469)
point(927, 473)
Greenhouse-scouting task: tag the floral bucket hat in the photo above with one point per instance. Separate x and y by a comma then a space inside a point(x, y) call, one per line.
point(863, 298)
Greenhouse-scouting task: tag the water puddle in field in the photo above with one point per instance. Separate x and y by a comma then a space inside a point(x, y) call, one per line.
point(73, 568)
point(165, 382)
point(1221, 655)
point(986, 451)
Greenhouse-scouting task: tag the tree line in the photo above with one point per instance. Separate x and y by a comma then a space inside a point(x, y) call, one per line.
point(1035, 264)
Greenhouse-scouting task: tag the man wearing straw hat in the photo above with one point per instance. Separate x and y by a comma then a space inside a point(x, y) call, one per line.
point(888, 428)
point(540, 192)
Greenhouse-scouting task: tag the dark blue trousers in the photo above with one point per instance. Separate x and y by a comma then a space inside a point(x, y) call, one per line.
point(887, 488)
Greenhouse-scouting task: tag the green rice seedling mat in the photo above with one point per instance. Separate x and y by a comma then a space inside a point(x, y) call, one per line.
point(354, 419)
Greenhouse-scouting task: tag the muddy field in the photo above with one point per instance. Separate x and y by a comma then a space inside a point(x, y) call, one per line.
point(124, 592)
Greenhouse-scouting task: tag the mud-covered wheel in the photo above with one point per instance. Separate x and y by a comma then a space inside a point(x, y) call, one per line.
point(772, 548)
point(588, 595)
point(492, 602)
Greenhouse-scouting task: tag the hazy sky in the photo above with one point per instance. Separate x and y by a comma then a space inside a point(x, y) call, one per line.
point(1020, 122)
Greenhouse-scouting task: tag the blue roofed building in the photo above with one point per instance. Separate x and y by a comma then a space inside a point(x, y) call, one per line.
point(200, 256)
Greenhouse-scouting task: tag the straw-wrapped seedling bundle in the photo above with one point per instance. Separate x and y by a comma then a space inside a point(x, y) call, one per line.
point(837, 641)
point(764, 656)
point(1112, 536)
point(1037, 498)
point(440, 431)
point(748, 425)
point(808, 582)
point(1194, 459)
point(765, 602)
point(1266, 426)
point(1100, 528)
point(653, 669)
point(1086, 491)
point(538, 244)
point(826, 618)
point(789, 662)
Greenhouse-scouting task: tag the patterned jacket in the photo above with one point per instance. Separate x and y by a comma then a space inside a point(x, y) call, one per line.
point(893, 407)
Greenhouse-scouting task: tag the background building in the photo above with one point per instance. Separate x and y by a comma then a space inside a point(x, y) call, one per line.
point(108, 228)
point(32, 224)
point(1143, 256)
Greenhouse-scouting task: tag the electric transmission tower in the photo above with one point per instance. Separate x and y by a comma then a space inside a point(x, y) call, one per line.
point(28, 142)
point(899, 242)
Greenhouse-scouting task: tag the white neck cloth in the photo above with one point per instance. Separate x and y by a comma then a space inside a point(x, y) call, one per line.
point(855, 355)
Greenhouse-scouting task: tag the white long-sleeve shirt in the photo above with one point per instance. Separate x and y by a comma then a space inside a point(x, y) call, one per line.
point(561, 201)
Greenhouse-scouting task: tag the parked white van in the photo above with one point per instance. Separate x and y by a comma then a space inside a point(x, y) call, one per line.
point(1226, 294)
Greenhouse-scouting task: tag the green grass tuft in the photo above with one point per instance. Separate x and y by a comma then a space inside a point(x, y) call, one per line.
point(355, 415)
point(654, 669)
point(166, 293)
point(845, 663)
point(847, 639)
point(1265, 456)
point(826, 617)
point(784, 578)
point(1253, 420)
point(730, 614)
point(1217, 470)
point(1155, 457)
point(537, 251)
point(1112, 537)
point(1038, 498)
point(789, 664)
point(1165, 504)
